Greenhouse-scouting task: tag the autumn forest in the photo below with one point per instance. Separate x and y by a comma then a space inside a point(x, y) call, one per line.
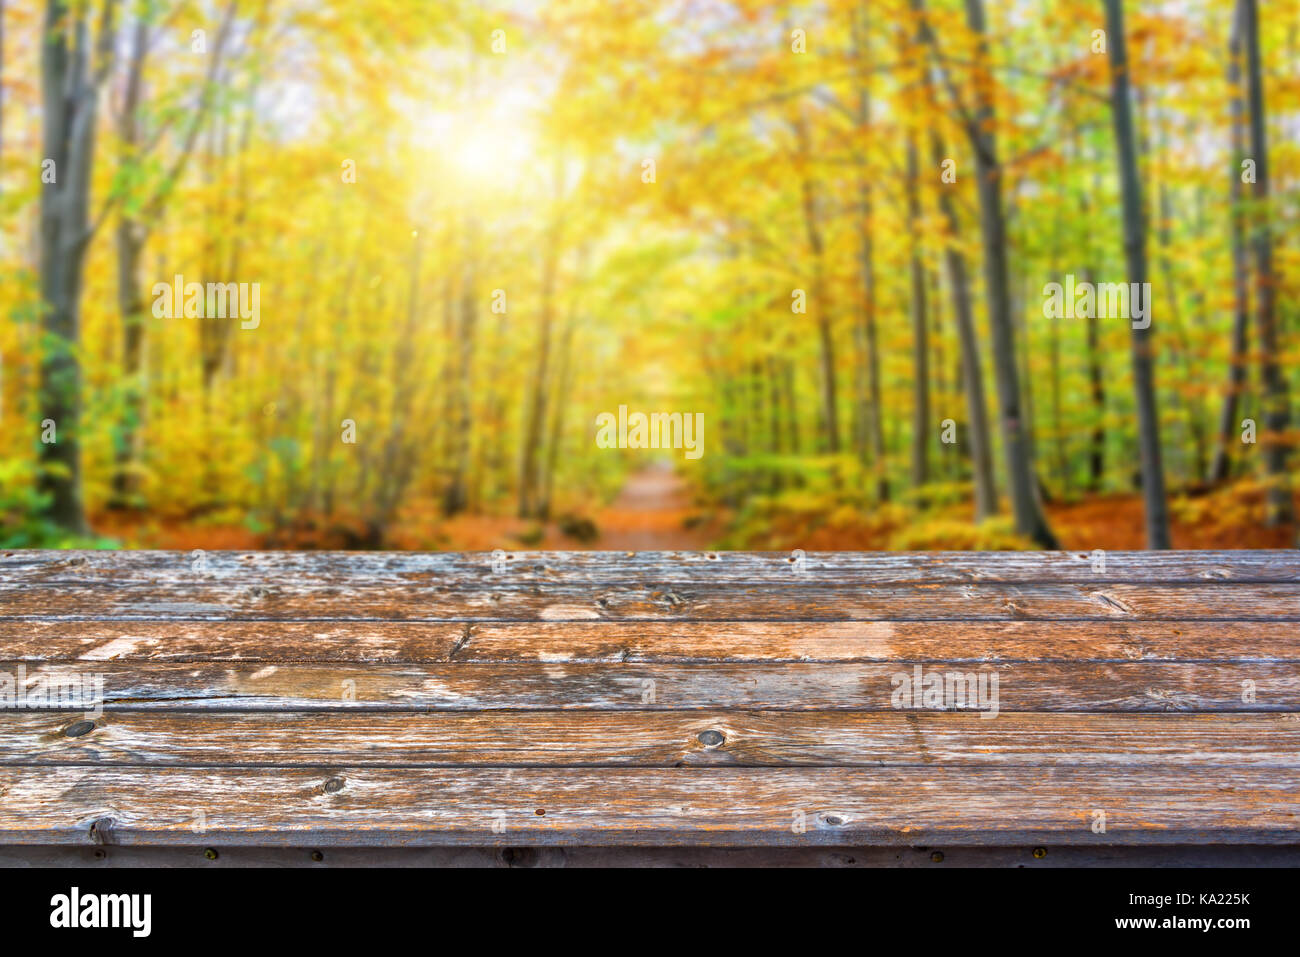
point(649, 274)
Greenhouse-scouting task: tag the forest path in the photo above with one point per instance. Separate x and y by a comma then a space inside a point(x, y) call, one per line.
point(648, 514)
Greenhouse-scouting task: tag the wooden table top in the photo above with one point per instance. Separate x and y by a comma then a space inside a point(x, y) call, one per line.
point(656, 699)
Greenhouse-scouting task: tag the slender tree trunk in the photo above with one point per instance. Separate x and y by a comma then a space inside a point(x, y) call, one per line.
point(1097, 389)
point(1192, 403)
point(214, 331)
point(819, 297)
point(1228, 426)
point(530, 492)
point(70, 100)
point(559, 408)
point(329, 438)
point(1276, 403)
point(490, 459)
point(1153, 479)
point(772, 377)
point(130, 249)
point(130, 239)
point(972, 375)
point(457, 495)
point(875, 426)
point(447, 373)
point(132, 235)
point(874, 438)
point(1096, 370)
point(400, 448)
point(1028, 512)
point(920, 337)
point(1058, 430)
point(791, 408)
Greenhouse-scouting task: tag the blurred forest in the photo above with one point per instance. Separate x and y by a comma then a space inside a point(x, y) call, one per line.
point(461, 231)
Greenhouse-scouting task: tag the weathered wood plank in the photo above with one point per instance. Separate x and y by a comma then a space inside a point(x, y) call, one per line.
point(654, 739)
point(1142, 686)
point(935, 858)
point(593, 641)
point(471, 568)
point(710, 806)
point(283, 599)
point(656, 699)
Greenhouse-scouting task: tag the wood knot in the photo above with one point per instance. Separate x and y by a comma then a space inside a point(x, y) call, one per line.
point(101, 830)
point(333, 785)
point(77, 729)
point(1111, 602)
point(711, 738)
point(461, 641)
point(1171, 700)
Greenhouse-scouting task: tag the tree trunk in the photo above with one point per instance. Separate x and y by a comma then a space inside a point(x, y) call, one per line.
point(132, 234)
point(70, 99)
point(1228, 425)
point(972, 376)
point(1153, 480)
point(457, 494)
point(559, 408)
point(1097, 389)
point(818, 296)
point(1276, 404)
point(874, 432)
point(401, 450)
point(1028, 512)
point(1096, 370)
point(920, 336)
point(130, 248)
point(530, 493)
point(791, 408)
point(1192, 403)
point(130, 239)
point(875, 415)
point(772, 378)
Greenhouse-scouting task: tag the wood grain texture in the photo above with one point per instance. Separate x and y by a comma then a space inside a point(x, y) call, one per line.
point(530, 567)
point(652, 739)
point(286, 599)
point(528, 857)
point(610, 641)
point(802, 686)
point(668, 701)
point(712, 806)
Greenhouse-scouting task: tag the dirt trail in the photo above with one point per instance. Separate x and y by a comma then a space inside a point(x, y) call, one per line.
point(648, 513)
